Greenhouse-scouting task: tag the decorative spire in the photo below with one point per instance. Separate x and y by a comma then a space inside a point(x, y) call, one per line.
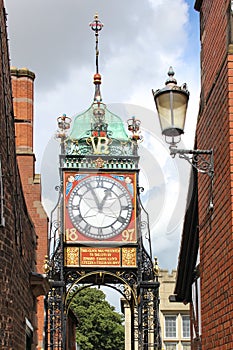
point(96, 26)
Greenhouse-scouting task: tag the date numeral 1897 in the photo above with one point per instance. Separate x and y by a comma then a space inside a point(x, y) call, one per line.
point(71, 234)
point(128, 235)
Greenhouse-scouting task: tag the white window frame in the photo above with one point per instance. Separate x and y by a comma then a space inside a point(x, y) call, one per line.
point(165, 329)
point(183, 335)
point(194, 296)
point(186, 343)
point(170, 343)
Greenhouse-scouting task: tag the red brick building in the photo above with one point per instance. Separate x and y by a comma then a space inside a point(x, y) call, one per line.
point(209, 286)
point(22, 221)
point(23, 91)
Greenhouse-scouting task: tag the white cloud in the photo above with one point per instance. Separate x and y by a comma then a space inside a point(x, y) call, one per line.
point(138, 43)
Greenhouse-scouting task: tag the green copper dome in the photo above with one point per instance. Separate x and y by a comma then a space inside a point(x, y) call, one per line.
point(83, 124)
point(98, 131)
point(98, 138)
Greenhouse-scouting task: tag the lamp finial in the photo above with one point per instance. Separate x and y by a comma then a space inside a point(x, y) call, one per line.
point(171, 79)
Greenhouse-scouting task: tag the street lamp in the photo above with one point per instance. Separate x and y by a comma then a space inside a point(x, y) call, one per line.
point(171, 103)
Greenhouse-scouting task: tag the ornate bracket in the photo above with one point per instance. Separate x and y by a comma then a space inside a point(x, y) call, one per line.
point(202, 160)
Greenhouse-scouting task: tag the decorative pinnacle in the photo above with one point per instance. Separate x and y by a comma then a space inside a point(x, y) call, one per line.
point(156, 266)
point(134, 127)
point(46, 264)
point(63, 125)
point(96, 26)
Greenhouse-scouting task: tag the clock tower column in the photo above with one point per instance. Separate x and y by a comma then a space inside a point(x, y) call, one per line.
point(101, 234)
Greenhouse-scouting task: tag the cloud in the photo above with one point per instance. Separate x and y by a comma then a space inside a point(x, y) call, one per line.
point(53, 38)
point(164, 180)
point(138, 43)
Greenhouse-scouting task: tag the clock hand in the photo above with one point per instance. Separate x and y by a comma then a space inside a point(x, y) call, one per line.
point(95, 197)
point(90, 213)
point(108, 193)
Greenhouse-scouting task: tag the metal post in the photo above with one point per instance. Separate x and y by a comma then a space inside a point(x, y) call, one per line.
point(132, 324)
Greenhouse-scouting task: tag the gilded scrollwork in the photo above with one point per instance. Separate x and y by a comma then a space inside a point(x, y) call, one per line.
point(72, 256)
point(129, 257)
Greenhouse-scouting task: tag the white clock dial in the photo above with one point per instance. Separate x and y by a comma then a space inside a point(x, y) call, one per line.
point(100, 207)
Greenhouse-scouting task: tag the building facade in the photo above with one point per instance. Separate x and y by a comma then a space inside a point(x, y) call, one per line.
point(23, 103)
point(20, 283)
point(174, 316)
point(208, 285)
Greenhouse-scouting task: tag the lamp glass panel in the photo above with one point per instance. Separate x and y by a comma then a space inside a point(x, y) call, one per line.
point(180, 101)
point(172, 106)
point(164, 110)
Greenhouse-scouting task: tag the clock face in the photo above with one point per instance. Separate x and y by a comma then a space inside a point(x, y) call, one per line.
point(100, 207)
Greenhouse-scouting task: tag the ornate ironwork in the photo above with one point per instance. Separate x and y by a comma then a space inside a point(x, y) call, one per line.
point(144, 225)
point(139, 287)
point(148, 333)
point(148, 316)
point(202, 160)
point(89, 162)
point(124, 282)
point(54, 319)
point(74, 276)
point(115, 147)
point(99, 148)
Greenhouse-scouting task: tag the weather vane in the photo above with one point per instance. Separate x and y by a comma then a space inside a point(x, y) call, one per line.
point(96, 25)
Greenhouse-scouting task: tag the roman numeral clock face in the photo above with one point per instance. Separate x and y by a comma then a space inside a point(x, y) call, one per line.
point(100, 207)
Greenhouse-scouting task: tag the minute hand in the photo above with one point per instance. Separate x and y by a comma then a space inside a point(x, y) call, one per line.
point(95, 197)
point(108, 193)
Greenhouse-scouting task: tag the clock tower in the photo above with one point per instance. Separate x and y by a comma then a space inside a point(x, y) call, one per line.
point(102, 224)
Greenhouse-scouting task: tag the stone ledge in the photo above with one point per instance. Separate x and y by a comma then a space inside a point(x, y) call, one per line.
point(22, 72)
point(39, 284)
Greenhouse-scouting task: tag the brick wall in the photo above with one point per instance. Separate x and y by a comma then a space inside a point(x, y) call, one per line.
point(17, 234)
point(214, 130)
point(22, 84)
point(23, 91)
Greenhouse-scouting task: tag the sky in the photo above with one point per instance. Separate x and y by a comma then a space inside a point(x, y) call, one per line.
point(140, 40)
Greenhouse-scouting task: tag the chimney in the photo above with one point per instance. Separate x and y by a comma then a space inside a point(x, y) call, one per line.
point(23, 95)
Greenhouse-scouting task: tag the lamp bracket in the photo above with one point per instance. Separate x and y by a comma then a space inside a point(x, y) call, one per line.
point(202, 160)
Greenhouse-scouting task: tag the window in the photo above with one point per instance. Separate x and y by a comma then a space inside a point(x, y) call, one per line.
point(29, 334)
point(170, 346)
point(186, 346)
point(186, 326)
point(170, 327)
